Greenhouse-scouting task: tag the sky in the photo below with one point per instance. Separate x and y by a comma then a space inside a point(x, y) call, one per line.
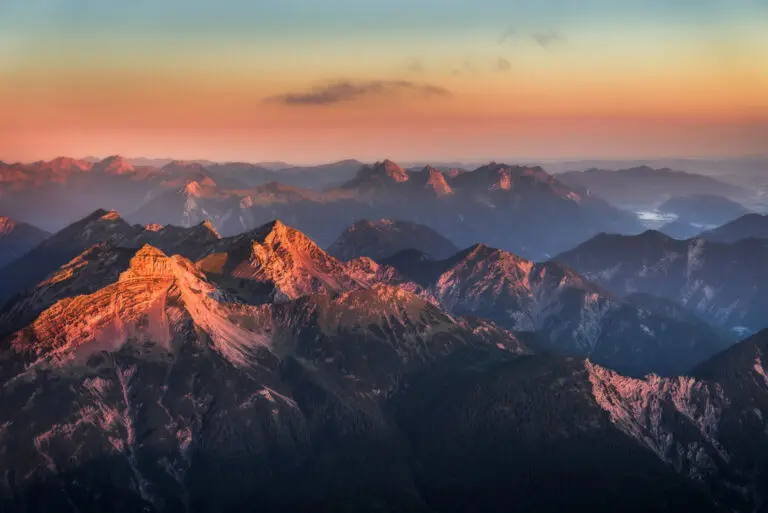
point(320, 80)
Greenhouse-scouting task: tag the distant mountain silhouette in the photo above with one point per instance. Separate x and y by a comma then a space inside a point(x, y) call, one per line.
point(384, 238)
point(17, 238)
point(646, 187)
point(722, 283)
point(745, 227)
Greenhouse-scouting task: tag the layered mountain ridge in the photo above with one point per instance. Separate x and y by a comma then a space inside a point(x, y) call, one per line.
point(17, 238)
point(565, 309)
point(169, 369)
point(720, 282)
point(384, 238)
point(645, 187)
point(276, 263)
point(540, 215)
point(745, 227)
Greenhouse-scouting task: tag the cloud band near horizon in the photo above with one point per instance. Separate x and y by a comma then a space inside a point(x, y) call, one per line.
point(348, 90)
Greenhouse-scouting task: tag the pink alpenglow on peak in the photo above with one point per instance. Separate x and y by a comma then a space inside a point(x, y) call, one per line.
point(114, 165)
point(392, 170)
point(7, 225)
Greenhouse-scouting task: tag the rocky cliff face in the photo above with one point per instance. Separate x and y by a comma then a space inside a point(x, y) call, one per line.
point(708, 426)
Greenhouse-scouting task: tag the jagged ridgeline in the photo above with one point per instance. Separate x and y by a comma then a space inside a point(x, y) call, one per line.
point(521, 209)
point(162, 368)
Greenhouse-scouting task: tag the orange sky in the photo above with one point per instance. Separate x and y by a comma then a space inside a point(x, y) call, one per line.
point(593, 90)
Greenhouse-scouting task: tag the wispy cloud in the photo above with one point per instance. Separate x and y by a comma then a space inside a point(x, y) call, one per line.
point(509, 33)
point(543, 38)
point(503, 64)
point(347, 91)
point(546, 39)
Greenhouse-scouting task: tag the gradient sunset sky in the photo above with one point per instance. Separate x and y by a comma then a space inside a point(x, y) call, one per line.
point(321, 80)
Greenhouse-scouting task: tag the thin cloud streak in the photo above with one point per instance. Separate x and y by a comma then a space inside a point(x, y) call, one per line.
point(503, 65)
point(546, 39)
point(347, 91)
point(507, 34)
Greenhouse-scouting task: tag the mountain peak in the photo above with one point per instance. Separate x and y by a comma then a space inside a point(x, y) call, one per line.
point(380, 175)
point(652, 235)
point(199, 186)
point(479, 249)
point(111, 216)
point(436, 180)
point(391, 170)
point(277, 232)
point(184, 167)
point(207, 225)
point(193, 188)
point(7, 225)
point(183, 164)
point(107, 215)
point(281, 258)
point(115, 165)
point(149, 251)
point(385, 238)
point(69, 164)
point(277, 225)
point(148, 262)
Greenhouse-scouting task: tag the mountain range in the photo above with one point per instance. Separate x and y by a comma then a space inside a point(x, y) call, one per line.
point(745, 227)
point(568, 313)
point(698, 212)
point(540, 216)
point(644, 187)
point(172, 369)
point(275, 263)
point(384, 238)
point(17, 238)
point(206, 353)
point(723, 283)
point(704, 209)
point(71, 188)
